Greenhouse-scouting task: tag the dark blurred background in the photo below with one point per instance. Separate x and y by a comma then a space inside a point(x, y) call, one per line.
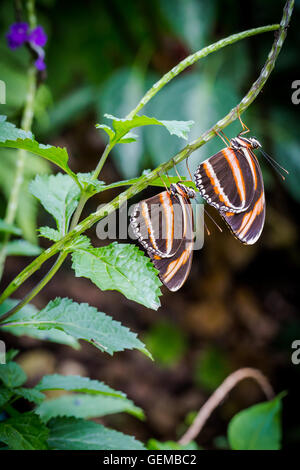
point(239, 306)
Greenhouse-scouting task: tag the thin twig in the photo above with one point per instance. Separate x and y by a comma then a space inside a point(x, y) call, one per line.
point(145, 180)
point(218, 396)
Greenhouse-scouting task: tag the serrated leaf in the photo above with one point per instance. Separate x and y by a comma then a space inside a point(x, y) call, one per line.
point(129, 138)
point(26, 313)
point(30, 394)
point(82, 322)
point(76, 383)
point(5, 395)
point(123, 126)
point(9, 228)
point(59, 195)
point(22, 248)
point(9, 131)
point(78, 434)
point(257, 427)
point(120, 267)
point(106, 129)
point(12, 375)
point(86, 406)
point(89, 184)
point(25, 432)
point(50, 233)
point(12, 137)
point(82, 242)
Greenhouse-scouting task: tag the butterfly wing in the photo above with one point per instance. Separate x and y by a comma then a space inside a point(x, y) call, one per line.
point(226, 180)
point(174, 271)
point(154, 223)
point(248, 225)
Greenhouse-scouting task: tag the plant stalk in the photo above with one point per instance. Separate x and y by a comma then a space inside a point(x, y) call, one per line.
point(164, 167)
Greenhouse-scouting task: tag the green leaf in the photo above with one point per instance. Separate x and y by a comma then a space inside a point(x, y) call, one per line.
point(9, 228)
point(257, 427)
point(25, 432)
point(106, 129)
point(59, 195)
point(5, 395)
point(76, 383)
point(50, 233)
point(9, 131)
point(90, 186)
point(12, 375)
point(123, 126)
point(120, 267)
point(82, 322)
point(78, 434)
point(86, 406)
point(12, 137)
point(25, 314)
point(153, 444)
point(80, 243)
point(22, 248)
point(30, 394)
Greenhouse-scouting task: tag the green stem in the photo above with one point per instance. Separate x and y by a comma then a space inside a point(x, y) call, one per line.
point(31, 13)
point(21, 157)
point(38, 287)
point(102, 161)
point(191, 59)
point(145, 180)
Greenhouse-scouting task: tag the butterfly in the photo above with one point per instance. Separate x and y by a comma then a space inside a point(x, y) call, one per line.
point(232, 182)
point(163, 225)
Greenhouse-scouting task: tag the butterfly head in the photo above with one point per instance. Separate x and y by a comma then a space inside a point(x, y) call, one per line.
point(240, 142)
point(183, 190)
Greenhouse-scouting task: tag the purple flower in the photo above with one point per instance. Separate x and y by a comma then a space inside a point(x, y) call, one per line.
point(38, 36)
point(40, 64)
point(17, 35)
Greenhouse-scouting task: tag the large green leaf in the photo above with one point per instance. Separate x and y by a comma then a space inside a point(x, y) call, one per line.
point(12, 375)
point(257, 427)
point(30, 394)
point(82, 322)
point(78, 434)
point(76, 383)
point(59, 195)
point(25, 432)
point(5, 395)
point(25, 314)
point(121, 267)
point(123, 126)
point(86, 406)
point(12, 137)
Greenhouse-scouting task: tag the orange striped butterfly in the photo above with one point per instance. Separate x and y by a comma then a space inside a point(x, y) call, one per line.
point(163, 225)
point(231, 181)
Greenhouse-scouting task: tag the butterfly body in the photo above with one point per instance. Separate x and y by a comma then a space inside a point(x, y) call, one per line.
point(163, 225)
point(231, 181)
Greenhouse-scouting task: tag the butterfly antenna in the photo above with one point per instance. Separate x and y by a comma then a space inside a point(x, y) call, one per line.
point(208, 232)
point(274, 164)
point(212, 219)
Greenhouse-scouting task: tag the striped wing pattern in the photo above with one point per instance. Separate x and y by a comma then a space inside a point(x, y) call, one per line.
point(231, 181)
point(164, 227)
point(247, 226)
point(226, 180)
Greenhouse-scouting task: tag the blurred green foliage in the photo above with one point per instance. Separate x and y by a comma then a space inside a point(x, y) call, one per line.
point(211, 368)
point(167, 343)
